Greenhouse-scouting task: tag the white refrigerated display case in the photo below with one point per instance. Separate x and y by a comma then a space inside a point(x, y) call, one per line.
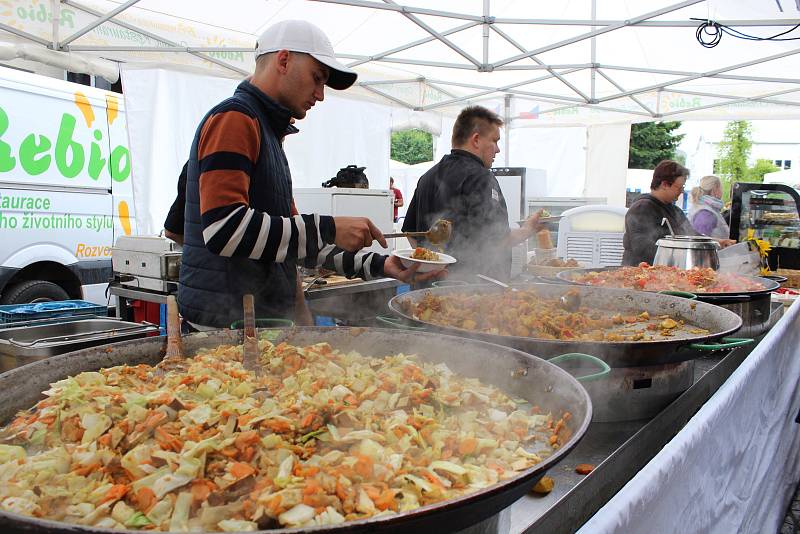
point(375, 204)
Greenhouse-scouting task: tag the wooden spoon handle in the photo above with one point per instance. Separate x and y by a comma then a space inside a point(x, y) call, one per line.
point(250, 348)
point(174, 343)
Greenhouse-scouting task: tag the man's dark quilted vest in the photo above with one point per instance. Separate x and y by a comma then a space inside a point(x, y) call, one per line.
point(212, 286)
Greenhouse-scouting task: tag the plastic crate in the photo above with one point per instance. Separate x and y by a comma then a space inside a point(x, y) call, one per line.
point(15, 313)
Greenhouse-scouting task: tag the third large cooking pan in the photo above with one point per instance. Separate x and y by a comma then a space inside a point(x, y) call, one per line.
point(518, 374)
point(685, 346)
point(752, 306)
point(769, 285)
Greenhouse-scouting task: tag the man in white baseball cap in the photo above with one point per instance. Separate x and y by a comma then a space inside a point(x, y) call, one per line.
point(242, 232)
point(302, 36)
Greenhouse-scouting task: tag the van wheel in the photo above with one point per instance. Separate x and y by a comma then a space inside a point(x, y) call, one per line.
point(33, 291)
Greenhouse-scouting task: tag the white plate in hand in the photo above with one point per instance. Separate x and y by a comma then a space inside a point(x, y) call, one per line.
point(425, 266)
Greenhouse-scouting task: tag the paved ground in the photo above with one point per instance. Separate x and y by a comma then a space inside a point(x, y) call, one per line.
point(791, 523)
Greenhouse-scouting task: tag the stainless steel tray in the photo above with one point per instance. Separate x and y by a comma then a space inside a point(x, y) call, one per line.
point(22, 345)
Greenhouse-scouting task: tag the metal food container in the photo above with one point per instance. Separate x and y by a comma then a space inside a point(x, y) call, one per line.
point(25, 344)
point(687, 251)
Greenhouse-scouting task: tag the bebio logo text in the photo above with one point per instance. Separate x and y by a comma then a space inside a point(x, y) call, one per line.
point(70, 156)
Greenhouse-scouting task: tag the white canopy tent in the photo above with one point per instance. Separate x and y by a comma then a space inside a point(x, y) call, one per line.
point(578, 66)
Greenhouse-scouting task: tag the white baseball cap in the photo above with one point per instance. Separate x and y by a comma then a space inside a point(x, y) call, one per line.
point(302, 36)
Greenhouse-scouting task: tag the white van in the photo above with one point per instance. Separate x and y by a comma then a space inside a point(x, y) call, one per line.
point(65, 188)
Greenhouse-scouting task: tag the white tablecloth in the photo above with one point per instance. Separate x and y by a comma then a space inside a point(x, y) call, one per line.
point(734, 466)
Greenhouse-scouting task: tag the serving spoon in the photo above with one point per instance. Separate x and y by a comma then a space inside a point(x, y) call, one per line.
point(439, 232)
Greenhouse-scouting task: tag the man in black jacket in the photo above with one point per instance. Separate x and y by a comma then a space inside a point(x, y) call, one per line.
point(461, 189)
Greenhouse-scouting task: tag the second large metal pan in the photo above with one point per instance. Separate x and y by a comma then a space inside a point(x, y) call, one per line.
point(718, 321)
point(518, 374)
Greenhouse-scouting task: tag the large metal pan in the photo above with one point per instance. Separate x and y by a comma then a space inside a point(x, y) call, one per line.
point(684, 346)
point(752, 306)
point(517, 373)
point(769, 285)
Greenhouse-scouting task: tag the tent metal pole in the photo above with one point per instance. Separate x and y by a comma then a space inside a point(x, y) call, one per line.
point(731, 97)
point(603, 108)
point(507, 122)
point(447, 42)
point(619, 88)
point(545, 66)
point(593, 91)
point(702, 75)
point(155, 37)
point(189, 49)
point(98, 22)
point(689, 73)
point(622, 24)
point(648, 23)
point(476, 86)
point(747, 99)
point(462, 66)
point(388, 97)
point(377, 57)
point(506, 88)
point(391, 82)
point(486, 32)
point(440, 89)
point(404, 9)
point(24, 35)
point(55, 9)
point(521, 48)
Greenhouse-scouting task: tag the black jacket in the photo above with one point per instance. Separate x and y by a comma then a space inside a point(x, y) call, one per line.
point(460, 189)
point(643, 228)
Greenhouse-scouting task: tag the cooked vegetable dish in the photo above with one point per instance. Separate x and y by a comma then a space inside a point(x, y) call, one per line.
point(421, 253)
point(320, 438)
point(660, 278)
point(524, 313)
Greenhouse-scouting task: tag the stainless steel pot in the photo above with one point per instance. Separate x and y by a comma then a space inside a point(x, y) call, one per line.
point(687, 251)
point(517, 373)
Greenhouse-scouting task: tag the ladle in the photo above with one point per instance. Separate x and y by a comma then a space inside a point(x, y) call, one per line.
point(666, 221)
point(496, 282)
point(438, 234)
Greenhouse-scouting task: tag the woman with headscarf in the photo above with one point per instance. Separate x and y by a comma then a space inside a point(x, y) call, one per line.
point(705, 213)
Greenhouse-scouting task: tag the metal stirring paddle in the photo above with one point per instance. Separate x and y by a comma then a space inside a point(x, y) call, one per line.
point(439, 232)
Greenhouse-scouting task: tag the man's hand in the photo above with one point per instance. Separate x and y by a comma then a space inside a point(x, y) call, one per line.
point(355, 233)
point(393, 268)
point(724, 243)
point(532, 224)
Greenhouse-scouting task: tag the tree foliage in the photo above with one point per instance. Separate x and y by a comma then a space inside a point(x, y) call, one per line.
point(651, 143)
point(734, 151)
point(412, 146)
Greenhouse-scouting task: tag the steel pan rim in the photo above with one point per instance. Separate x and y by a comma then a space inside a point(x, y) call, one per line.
point(428, 512)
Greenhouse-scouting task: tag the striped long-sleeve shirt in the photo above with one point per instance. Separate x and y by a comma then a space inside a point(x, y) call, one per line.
point(228, 152)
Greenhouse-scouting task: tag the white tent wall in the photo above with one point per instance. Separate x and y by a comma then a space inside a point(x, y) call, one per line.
point(607, 162)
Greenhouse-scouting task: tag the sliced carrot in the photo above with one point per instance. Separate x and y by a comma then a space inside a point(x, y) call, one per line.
point(104, 440)
point(241, 470)
point(201, 489)
point(230, 452)
point(467, 446)
point(116, 492)
point(307, 420)
point(245, 438)
point(386, 500)
point(363, 466)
